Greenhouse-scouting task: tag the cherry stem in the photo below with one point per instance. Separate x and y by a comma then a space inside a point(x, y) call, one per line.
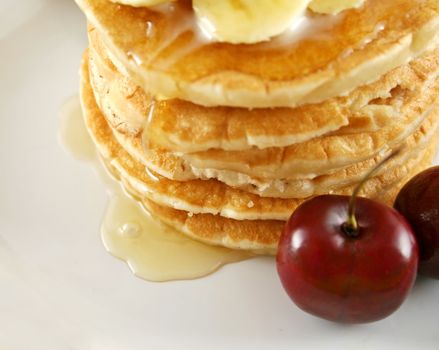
point(350, 227)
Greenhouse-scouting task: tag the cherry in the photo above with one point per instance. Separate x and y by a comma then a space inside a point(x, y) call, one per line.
point(418, 201)
point(347, 259)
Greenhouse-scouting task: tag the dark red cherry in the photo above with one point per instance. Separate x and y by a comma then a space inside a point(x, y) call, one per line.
point(418, 201)
point(342, 273)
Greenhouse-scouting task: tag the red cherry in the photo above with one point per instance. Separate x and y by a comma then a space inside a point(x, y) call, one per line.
point(346, 275)
point(418, 201)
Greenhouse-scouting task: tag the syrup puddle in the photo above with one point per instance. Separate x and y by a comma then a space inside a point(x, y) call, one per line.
point(152, 250)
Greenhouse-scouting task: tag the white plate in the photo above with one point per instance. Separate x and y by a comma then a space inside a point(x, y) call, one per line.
point(61, 290)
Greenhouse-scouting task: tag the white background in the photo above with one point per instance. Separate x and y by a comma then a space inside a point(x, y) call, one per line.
point(59, 288)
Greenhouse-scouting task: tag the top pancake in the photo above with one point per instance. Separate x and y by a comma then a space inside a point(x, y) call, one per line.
point(182, 126)
point(167, 59)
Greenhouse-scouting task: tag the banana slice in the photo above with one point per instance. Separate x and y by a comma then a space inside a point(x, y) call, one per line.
point(140, 3)
point(333, 6)
point(247, 21)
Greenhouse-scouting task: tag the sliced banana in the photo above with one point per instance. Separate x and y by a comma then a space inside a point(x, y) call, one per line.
point(333, 6)
point(140, 3)
point(247, 21)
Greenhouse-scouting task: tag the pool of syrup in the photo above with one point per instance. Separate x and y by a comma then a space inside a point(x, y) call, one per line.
point(152, 250)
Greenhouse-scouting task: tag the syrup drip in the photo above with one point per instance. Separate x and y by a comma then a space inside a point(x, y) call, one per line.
point(149, 119)
point(152, 250)
point(72, 132)
point(182, 19)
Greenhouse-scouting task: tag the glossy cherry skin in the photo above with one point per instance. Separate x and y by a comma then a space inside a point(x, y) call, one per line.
point(343, 279)
point(418, 201)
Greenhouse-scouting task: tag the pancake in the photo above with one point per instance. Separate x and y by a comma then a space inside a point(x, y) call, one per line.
point(163, 53)
point(185, 127)
point(205, 197)
point(259, 236)
point(166, 165)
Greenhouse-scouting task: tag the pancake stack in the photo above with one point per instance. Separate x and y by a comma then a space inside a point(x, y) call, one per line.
point(224, 141)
